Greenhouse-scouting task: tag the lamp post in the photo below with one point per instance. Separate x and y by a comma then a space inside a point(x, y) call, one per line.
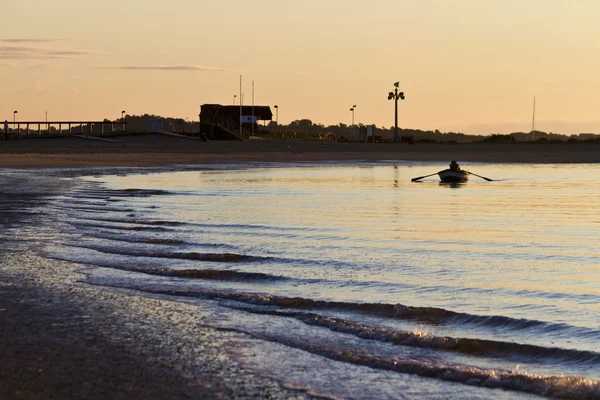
point(276, 107)
point(395, 95)
point(14, 120)
point(46, 119)
point(234, 96)
point(352, 109)
point(123, 120)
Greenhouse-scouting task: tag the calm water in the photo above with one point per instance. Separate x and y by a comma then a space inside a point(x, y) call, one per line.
point(360, 283)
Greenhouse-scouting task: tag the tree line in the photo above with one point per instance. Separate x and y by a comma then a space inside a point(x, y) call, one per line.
point(139, 123)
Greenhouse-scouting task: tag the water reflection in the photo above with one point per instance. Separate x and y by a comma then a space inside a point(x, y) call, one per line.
point(453, 185)
point(514, 262)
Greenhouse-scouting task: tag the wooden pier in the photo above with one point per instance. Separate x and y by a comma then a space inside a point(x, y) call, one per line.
point(17, 129)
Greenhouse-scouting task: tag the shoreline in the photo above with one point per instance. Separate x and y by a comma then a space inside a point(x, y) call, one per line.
point(160, 150)
point(62, 338)
point(42, 300)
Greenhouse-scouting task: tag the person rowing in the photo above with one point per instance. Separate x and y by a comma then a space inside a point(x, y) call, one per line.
point(453, 174)
point(454, 166)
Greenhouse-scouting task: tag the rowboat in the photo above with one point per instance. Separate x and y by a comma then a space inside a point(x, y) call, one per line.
point(453, 176)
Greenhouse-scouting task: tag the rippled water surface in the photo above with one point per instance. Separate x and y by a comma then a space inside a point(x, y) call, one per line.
point(364, 284)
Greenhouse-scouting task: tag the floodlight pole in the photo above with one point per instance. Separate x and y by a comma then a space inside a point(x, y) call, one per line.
point(395, 95)
point(396, 116)
point(352, 127)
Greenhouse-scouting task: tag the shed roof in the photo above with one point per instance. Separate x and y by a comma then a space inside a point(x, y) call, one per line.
point(261, 112)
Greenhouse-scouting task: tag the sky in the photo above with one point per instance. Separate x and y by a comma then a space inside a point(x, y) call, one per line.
point(471, 66)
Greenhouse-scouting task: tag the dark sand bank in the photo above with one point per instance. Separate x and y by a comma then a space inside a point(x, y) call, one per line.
point(156, 150)
point(50, 349)
point(61, 338)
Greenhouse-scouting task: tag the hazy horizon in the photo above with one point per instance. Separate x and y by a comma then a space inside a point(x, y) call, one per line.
point(465, 66)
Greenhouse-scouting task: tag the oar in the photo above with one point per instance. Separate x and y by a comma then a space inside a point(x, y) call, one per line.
point(421, 177)
point(482, 177)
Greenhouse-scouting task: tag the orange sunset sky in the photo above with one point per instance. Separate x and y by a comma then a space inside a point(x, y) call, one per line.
point(465, 65)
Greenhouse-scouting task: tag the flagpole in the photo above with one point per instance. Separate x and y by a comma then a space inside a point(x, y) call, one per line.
point(533, 122)
point(252, 108)
point(241, 101)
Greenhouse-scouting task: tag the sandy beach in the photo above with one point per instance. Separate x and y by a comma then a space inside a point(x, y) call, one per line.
point(61, 339)
point(159, 150)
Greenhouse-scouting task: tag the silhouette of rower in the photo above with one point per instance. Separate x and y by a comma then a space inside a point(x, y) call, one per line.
point(454, 166)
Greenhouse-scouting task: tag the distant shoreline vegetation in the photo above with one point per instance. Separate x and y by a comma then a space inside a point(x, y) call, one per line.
point(305, 129)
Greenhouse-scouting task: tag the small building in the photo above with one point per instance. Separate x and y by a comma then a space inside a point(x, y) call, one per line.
point(229, 117)
point(369, 134)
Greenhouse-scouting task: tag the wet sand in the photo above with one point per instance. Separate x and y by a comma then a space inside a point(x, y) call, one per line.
point(159, 150)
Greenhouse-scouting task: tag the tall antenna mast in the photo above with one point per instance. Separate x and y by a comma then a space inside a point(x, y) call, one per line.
point(533, 122)
point(241, 104)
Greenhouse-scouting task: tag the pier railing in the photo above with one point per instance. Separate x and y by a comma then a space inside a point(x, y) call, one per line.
point(17, 129)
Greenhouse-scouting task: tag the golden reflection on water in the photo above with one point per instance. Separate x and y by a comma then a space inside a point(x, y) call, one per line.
point(535, 228)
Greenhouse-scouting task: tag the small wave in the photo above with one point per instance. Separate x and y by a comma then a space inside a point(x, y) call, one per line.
point(138, 239)
point(64, 202)
point(120, 228)
point(425, 314)
point(554, 386)
point(92, 197)
point(210, 257)
point(100, 208)
point(419, 339)
point(204, 274)
point(124, 192)
point(134, 221)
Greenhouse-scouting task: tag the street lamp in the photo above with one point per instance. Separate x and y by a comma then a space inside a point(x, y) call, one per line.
point(276, 107)
point(15, 116)
point(46, 119)
point(123, 120)
point(234, 96)
point(352, 109)
point(395, 95)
